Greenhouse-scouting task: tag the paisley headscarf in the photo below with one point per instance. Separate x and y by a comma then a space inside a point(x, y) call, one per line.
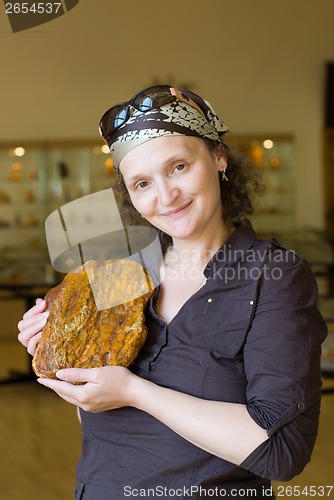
point(180, 117)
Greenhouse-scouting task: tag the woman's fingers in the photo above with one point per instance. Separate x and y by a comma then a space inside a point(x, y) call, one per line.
point(31, 326)
point(32, 343)
point(78, 375)
point(39, 307)
point(67, 391)
point(92, 389)
point(71, 385)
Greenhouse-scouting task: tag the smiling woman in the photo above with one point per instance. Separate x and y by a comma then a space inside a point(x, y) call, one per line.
point(238, 196)
point(173, 182)
point(224, 396)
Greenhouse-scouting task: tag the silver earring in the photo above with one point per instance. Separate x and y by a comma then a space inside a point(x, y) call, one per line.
point(224, 177)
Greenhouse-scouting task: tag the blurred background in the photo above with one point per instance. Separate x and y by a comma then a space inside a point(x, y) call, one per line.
point(268, 70)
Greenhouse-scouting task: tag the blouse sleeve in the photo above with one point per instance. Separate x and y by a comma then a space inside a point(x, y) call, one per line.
point(282, 366)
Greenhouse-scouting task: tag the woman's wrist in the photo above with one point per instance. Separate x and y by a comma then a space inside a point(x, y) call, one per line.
point(137, 391)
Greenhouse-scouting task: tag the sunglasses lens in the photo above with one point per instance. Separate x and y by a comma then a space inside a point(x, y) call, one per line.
point(113, 118)
point(119, 117)
point(152, 98)
point(146, 104)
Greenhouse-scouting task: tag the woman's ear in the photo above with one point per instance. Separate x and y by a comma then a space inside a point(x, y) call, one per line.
point(221, 158)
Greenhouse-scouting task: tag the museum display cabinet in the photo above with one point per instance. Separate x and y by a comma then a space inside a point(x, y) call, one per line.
point(274, 156)
point(35, 180)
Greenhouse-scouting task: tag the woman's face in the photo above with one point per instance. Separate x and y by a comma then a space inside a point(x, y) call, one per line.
point(173, 182)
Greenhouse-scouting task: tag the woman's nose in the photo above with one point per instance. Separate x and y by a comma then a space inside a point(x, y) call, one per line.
point(167, 193)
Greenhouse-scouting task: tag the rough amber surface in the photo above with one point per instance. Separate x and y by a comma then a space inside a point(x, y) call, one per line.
point(96, 318)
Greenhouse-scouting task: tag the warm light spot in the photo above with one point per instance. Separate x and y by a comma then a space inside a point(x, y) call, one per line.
point(16, 166)
point(268, 144)
point(274, 162)
point(15, 173)
point(109, 163)
point(256, 154)
point(105, 149)
point(19, 151)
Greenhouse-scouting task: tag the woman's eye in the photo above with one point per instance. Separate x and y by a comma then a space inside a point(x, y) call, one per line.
point(180, 167)
point(141, 185)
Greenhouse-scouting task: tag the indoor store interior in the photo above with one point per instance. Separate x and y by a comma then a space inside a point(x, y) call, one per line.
point(268, 70)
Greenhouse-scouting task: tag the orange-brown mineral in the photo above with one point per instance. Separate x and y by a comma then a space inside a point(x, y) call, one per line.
point(96, 317)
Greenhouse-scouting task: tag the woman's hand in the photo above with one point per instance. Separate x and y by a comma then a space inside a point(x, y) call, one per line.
point(101, 389)
point(32, 324)
point(211, 425)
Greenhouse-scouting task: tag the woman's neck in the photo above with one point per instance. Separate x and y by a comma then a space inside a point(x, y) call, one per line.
point(199, 251)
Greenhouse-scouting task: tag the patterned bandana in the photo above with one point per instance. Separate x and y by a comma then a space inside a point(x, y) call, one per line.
point(179, 117)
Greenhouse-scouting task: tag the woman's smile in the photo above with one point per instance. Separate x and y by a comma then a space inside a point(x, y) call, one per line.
point(177, 211)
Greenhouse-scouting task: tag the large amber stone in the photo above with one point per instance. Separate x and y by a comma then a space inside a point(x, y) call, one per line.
point(96, 317)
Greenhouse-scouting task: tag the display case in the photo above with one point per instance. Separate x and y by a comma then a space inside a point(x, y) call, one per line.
point(274, 156)
point(36, 179)
point(22, 199)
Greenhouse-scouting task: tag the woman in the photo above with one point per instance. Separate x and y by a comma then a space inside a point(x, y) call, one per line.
point(224, 397)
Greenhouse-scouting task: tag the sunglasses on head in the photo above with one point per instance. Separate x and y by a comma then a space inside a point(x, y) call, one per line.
point(145, 100)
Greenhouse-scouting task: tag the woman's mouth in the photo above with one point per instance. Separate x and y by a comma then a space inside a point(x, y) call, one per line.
point(177, 211)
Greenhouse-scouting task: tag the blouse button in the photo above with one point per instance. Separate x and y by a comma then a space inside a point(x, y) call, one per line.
point(210, 299)
point(301, 406)
point(251, 302)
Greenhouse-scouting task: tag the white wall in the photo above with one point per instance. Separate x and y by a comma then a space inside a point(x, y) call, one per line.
point(259, 62)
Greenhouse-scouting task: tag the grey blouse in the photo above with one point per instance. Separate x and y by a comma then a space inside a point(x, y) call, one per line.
point(250, 335)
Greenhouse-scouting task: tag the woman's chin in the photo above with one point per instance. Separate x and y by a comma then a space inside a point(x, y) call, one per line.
point(179, 233)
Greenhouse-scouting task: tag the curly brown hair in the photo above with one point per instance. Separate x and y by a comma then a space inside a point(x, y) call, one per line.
point(238, 194)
